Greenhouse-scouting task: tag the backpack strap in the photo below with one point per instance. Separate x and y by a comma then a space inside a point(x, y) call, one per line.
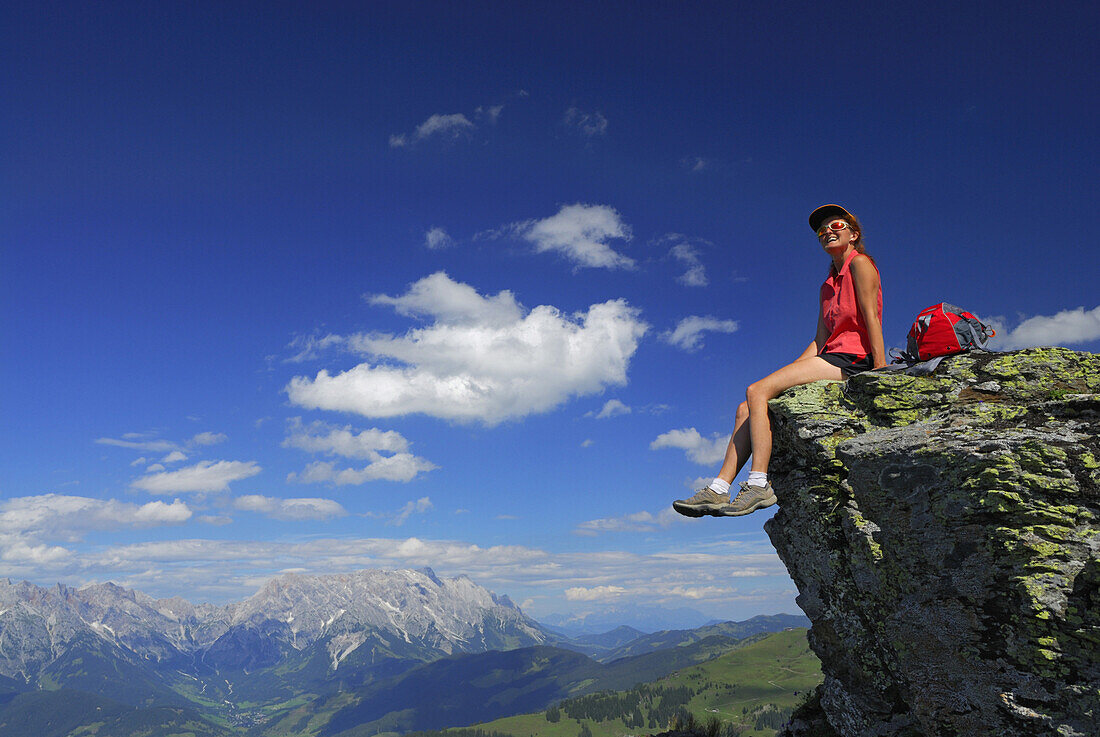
point(924, 368)
point(901, 356)
point(910, 364)
point(979, 337)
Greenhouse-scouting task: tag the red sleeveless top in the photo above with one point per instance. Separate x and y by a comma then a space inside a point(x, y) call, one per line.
point(847, 331)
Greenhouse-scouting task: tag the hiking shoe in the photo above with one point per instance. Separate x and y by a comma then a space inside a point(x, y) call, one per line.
point(704, 501)
point(748, 500)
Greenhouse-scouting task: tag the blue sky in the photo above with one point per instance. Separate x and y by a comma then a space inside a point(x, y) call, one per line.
point(479, 285)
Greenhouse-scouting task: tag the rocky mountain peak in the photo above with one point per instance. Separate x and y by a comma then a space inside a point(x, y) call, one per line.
point(415, 610)
point(412, 603)
point(431, 575)
point(942, 532)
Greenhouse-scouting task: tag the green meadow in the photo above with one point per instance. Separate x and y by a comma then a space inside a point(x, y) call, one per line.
point(750, 691)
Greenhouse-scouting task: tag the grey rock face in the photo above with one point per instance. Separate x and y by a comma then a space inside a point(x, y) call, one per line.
point(415, 611)
point(942, 532)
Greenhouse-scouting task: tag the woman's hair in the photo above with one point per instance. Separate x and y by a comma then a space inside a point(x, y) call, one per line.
point(854, 222)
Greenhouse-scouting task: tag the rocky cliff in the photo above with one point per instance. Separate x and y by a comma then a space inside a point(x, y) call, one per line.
point(943, 534)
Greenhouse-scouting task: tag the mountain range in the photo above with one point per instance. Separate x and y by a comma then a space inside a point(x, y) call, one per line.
point(643, 618)
point(309, 655)
point(411, 613)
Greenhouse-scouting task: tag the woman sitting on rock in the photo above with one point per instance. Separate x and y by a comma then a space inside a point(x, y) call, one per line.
point(848, 340)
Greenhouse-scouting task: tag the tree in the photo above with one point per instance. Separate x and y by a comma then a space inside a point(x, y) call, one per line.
point(553, 714)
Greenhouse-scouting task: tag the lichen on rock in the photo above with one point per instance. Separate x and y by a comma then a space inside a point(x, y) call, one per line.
point(943, 534)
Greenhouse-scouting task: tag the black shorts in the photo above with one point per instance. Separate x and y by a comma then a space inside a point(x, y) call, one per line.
point(849, 363)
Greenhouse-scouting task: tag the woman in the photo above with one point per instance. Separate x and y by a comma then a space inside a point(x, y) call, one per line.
point(848, 340)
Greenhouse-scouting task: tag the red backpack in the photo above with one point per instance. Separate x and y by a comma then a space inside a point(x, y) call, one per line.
point(943, 329)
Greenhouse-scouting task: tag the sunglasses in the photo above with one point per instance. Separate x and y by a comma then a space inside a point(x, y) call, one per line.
point(836, 226)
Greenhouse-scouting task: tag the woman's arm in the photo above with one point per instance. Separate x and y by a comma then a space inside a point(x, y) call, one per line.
point(866, 280)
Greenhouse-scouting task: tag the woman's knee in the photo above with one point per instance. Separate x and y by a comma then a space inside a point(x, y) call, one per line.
point(756, 392)
point(742, 411)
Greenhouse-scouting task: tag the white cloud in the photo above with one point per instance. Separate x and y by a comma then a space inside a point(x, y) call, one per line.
point(696, 163)
point(490, 113)
point(588, 443)
point(208, 438)
point(580, 233)
point(688, 255)
point(290, 509)
point(1065, 328)
point(420, 506)
point(174, 457)
point(483, 358)
point(310, 347)
point(154, 467)
point(595, 593)
point(636, 522)
point(451, 127)
point(319, 437)
point(150, 446)
point(688, 333)
point(231, 569)
point(397, 467)
point(444, 125)
point(611, 408)
point(589, 124)
point(699, 449)
point(437, 238)
point(142, 441)
point(33, 555)
point(697, 592)
point(452, 303)
point(60, 517)
point(205, 476)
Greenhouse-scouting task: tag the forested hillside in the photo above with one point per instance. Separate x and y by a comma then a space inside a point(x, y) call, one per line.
point(749, 691)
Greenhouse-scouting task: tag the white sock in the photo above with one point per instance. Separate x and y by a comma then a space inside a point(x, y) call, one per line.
point(758, 478)
point(722, 487)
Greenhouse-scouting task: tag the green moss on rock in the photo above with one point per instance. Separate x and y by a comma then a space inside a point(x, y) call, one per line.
point(941, 533)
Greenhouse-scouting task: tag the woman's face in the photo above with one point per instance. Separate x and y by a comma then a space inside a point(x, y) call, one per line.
point(836, 234)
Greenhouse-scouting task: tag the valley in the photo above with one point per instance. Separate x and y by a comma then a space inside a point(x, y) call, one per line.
point(378, 652)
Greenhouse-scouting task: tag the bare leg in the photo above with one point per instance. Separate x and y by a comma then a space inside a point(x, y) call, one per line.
point(752, 435)
point(739, 448)
point(802, 371)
